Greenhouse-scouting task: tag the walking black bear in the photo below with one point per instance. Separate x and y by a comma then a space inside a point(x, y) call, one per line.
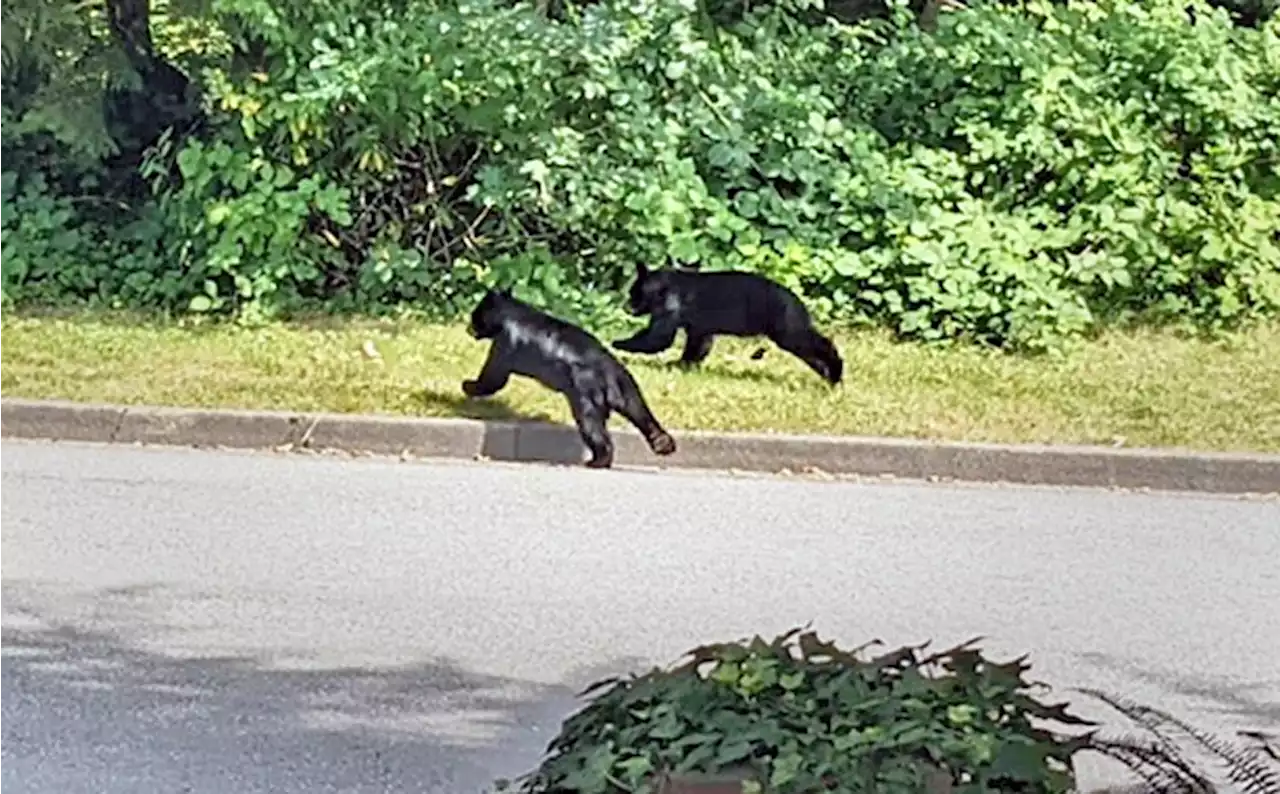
point(568, 359)
point(726, 303)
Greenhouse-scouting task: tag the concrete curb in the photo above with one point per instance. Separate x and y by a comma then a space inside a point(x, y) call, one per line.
point(1155, 469)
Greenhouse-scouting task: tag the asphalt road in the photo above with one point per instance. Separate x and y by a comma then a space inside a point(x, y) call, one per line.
point(183, 621)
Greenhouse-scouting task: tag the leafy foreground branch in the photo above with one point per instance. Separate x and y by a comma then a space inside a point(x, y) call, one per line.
point(801, 715)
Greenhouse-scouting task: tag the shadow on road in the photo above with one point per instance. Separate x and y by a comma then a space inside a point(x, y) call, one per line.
point(510, 435)
point(86, 710)
point(1235, 699)
point(97, 699)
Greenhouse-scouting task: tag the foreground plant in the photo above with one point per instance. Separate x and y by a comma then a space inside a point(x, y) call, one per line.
point(801, 715)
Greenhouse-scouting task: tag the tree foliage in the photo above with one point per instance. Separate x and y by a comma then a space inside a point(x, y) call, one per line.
point(1010, 173)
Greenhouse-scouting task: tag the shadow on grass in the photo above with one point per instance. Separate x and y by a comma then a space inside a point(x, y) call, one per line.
point(484, 409)
point(92, 705)
point(736, 370)
point(755, 374)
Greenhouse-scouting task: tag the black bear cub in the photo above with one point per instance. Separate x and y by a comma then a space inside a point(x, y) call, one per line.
point(726, 303)
point(566, 358)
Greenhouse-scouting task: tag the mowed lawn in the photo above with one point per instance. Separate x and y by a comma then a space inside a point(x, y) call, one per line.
point(1134, 389)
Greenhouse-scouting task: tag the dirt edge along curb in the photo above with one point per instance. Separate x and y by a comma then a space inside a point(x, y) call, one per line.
point(1155, 469)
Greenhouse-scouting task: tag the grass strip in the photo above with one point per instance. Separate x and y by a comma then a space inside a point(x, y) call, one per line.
point(1143, 388)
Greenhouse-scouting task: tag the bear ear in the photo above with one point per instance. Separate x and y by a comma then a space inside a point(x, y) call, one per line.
point(642, 269)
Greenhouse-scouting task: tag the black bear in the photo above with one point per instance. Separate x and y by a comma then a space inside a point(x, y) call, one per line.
point(566, 358)
point(728, 303)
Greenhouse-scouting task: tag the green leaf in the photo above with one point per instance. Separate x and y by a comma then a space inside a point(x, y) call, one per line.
point(961, 713)
point(634, 769)
point(591, 776)
point(748, 204)
point(200, 303)
point(685, 247)
point(189, 161)
point(1019, 760)
point(218, 214)
point(732, 750)
point(792, 681)
point(669, 727)
point(786, 768)
point(536, 170)
point(720, 154)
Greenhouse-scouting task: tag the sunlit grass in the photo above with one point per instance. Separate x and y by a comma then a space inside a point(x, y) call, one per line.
point(1137, 388)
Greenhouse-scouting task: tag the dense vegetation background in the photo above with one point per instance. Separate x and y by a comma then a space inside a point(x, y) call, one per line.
point(1008, 173)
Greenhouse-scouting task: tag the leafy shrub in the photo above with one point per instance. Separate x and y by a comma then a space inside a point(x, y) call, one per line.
point(1108, 161)
point(912, 179)
point(241, 219)
point(83, 98)
point(55, 252)
point(805, 716)
point(36, 235)
point(1018, 174)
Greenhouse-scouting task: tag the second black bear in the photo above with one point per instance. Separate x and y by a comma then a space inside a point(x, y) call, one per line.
point(563, 357)
point(725, 303)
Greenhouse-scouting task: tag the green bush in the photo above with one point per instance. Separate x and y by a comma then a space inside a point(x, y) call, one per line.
point(82, 98)
point(1022, 174)
point(801, 715)
point(55, 252)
